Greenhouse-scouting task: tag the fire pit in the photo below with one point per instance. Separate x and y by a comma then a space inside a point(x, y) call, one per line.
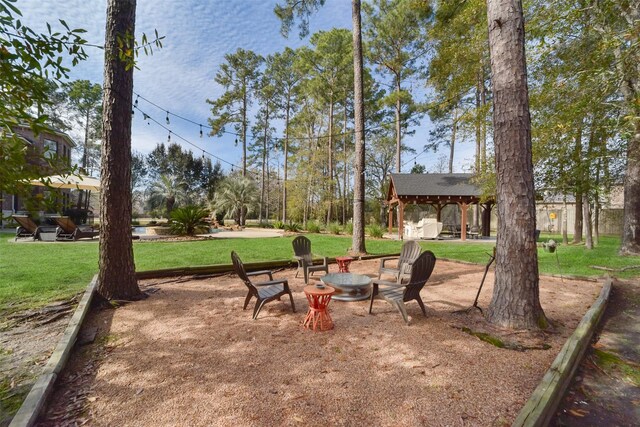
point(348, 286)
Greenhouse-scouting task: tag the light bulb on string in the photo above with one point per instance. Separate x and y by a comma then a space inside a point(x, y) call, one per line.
point(136, 103)
point(203, 155)
point(200, 131)
point(145, 117)
point(169, 137)
point(133, 113)
point(236, 142)
point(168, 118)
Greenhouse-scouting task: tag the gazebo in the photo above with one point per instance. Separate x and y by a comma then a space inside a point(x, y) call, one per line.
point(438, 190)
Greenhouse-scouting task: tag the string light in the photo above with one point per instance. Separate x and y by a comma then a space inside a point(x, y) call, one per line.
point(136, 103)
point(236, 142)
point(169, 137)
point(200, 131)
point(350, 133)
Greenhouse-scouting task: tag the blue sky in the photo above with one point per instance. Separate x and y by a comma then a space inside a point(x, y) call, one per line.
point(180, 76)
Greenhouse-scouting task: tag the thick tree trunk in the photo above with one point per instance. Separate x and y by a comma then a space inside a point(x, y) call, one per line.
point(631, 221)
point(515, 302)
point(116, 267)
point(358, 242)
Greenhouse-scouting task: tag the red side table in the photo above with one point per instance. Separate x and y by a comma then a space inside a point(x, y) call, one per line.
point(318, 315)
point(343, 263)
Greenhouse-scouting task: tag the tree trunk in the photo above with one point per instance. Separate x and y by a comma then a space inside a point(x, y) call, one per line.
point(565, 237)
point(330, 154)
point(453, 139)
point(116, 275)
point(577, 164)
point(398, 127)
point(516, 301)
point(286, 161)
point(345, 172)
point(587, 221)
point(478, 126)
point(244, 132)
point(358, 242)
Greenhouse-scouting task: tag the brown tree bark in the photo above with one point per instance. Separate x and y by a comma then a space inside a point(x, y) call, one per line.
point(117, 272)
point(358, 242)
point(515, 302)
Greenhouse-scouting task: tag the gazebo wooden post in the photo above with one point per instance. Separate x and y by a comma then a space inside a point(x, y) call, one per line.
point(463, 221)
point(390, 218)
point(438, 212)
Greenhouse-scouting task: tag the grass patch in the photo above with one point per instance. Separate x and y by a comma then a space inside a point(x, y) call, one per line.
point(11, 398)
point(612, 363)
point(34, 274)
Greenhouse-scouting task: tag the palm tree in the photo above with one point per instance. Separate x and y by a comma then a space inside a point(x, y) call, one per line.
point(236, 197)
point(169, 190)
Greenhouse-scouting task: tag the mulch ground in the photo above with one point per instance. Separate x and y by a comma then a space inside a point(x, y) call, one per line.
point(189, 355)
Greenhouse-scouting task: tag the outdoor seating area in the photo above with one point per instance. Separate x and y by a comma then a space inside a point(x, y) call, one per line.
point(426, 228)
point(207, 361)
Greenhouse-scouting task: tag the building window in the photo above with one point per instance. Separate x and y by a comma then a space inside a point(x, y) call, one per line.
point(50, 148)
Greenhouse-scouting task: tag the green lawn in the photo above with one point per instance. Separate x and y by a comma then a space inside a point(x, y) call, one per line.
point(36, 273)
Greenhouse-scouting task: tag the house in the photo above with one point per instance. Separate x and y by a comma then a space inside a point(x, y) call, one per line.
point(49, 144)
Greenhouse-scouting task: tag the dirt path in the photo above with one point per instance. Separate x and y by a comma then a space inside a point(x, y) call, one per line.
point(606, 388)
point(27, 339)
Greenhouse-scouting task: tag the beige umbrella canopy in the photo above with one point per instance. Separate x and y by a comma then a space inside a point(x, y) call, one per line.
point(73, 182)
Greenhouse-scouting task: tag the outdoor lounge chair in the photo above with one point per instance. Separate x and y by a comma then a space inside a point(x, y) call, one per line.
point(263, 291)
point(302, 251)
point(402, 270)
point(397, 294)
point(68, 230)
point(28, 228)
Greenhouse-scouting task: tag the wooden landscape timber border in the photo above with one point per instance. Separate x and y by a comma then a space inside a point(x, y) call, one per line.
point(536, 412)
point(543, 403)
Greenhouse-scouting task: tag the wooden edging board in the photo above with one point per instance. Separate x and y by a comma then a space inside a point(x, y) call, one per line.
point(543, 403)
point(28, 413)
point(228, 268)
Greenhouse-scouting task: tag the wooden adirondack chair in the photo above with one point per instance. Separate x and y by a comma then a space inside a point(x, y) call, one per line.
point(263, 291)
point(302, 252)
point(397, 294)
point(402, 269)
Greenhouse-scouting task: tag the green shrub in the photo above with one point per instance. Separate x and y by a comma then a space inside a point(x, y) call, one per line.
point(375, 230)
point(335, 228)
point(135, 222)
point(279, 225)
point(313, 227)
point(189, 220)
point(265, 224)
point(348, 228)
point(293, 227)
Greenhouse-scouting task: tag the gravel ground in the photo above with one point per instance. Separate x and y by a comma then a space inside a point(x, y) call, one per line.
point(188, 355)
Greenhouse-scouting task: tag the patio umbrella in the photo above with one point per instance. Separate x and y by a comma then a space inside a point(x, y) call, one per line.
point(74, 182)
